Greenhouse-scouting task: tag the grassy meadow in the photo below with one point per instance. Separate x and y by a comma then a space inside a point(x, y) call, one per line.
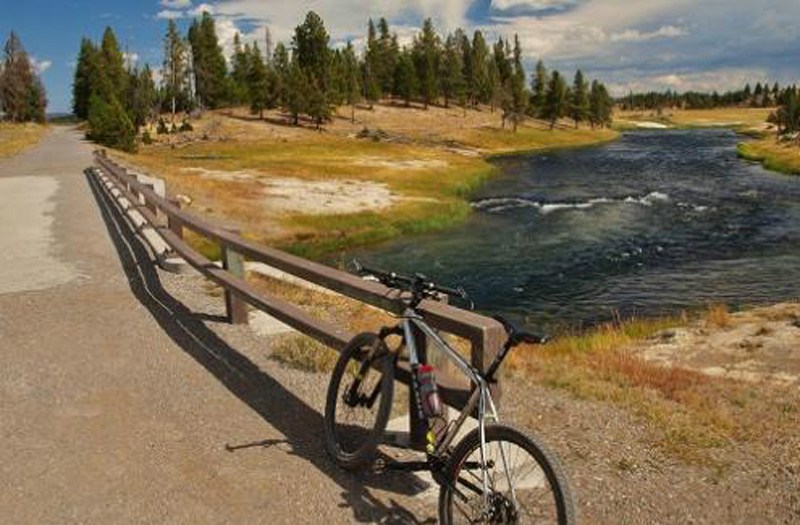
point(430, 160)
point(15, 138)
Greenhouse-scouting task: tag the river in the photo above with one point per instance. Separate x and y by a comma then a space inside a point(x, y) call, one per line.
point(652, 224)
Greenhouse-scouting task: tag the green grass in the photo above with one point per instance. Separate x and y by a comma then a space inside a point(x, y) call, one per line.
point(784, 158)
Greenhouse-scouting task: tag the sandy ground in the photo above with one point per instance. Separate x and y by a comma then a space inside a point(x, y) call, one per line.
point(285, 195)
point(758, 345)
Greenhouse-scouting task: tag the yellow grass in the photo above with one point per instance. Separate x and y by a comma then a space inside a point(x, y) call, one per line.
point(451, 150)
point(716, 117)
point(691, 414)
point(15, 138)
point(776, 156)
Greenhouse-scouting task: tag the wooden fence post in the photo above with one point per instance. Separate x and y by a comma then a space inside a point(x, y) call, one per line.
point(174, 224)
point(233, 262)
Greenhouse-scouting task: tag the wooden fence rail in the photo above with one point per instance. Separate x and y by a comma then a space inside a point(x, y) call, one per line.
point(485, 334)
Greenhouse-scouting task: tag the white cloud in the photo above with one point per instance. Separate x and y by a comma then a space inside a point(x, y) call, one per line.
point(130, 59)
point(719, 80)
point(634, 35)
point(170, 14)
point(40, 66)
point(532, 5)
point(176, 4)
point(200, 9)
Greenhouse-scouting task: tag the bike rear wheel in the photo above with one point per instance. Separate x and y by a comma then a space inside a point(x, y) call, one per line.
point(359, 401)
point(526, 484)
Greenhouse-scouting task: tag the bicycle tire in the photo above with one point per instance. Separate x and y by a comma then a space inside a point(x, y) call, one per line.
point(338, 442)
point(564, 510)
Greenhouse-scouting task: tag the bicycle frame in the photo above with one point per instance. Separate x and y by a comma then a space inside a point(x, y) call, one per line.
point(480, 398)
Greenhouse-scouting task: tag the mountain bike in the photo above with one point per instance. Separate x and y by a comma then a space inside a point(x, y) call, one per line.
point(495, 474)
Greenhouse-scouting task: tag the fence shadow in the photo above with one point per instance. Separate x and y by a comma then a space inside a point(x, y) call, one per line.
point(300, 423)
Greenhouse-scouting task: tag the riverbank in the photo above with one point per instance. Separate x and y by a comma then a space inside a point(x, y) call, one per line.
point(395, 171)
point(15, 138)
point(775, 156)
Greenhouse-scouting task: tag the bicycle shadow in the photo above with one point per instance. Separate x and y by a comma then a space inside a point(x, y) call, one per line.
point(300, 423)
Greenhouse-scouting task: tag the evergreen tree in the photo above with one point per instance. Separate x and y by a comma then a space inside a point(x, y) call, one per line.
point(109, 124)
point(388, 50)
point(176, 71)
point(426, 61)
point(311, 50)
point(579, 102)
point(600, 105)
point(240, 71)
point(539, 87)
point(405, 81)
point(22, 96)
point(518, 98)
point(371, 86)
point(259, 83)
point(113, 64)
point(210, 68)
point(295, 99)
point(142, 99)
point(479, 86)
point(352, 80)
point(82, 84)
point(452, 81)
point(556, 103)
point(281, 65)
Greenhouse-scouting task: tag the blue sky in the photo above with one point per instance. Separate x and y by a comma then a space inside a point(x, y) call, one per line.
point(630, 44)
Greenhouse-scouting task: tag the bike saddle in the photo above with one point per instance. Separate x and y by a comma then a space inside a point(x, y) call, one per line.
point(517, 336)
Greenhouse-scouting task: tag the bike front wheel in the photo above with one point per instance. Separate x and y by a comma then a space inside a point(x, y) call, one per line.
point(359, 401)
point(525, 483)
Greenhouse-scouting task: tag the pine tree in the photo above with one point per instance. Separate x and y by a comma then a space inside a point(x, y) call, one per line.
point(479, 84)
point(452, 81)
point(175, 71)
point(281, 65)
point(22, 96)
point(109, 124)
point(405, 78)
point(579, 102)
point(142, 99)
point(260, 92)
point(240, 71)
point(371, 86)
point(210, 69)
point(600, 105)
point(310, 45)
point(539, 87)
point(82, 83)
point(426, 61)
point(388, 50)
point(556, 104)
point(113, 64)
point(296, 93)
point(518, 98)
point(352, 79)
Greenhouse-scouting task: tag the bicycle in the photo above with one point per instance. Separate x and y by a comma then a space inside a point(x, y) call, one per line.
point(479, 478)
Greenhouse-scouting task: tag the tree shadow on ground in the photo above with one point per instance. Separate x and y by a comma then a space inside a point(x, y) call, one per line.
point(300, 423)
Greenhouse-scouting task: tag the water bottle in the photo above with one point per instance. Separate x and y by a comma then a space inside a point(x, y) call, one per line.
point(428, 393)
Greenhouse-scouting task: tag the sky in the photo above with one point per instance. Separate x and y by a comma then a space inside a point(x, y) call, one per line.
point(628, 44)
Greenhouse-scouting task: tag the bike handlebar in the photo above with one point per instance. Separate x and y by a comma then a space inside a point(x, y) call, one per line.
point(418, 284)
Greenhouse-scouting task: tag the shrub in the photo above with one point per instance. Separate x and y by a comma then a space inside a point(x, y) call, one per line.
point(185, 126)
point(110, 126)
point(146, 138)
point(162, 127)
point(174, 128)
